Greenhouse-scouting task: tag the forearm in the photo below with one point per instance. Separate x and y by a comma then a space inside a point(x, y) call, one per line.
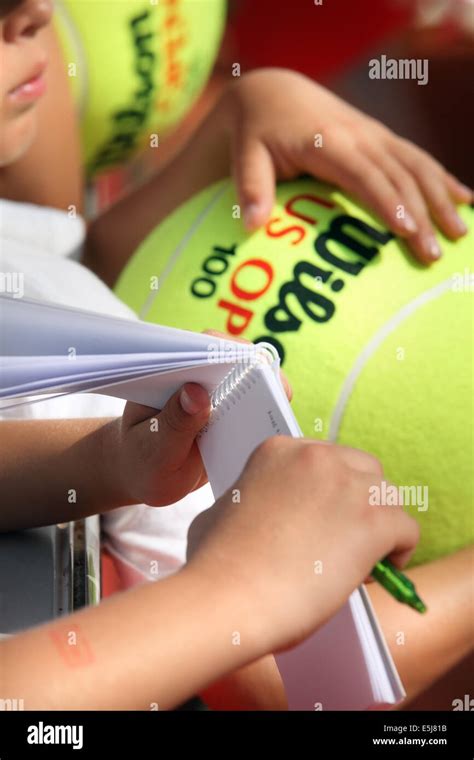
point(115, 235)
point(425, 647)
point(56, 471)
point(150, 648)
point(257, 686)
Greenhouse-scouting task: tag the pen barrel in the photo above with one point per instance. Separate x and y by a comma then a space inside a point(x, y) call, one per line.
point(397, 584)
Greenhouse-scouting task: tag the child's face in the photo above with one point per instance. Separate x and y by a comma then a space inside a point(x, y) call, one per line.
point(22, 67)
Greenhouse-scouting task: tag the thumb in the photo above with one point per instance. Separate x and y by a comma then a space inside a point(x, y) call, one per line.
point(181, 419)
point(254, 175)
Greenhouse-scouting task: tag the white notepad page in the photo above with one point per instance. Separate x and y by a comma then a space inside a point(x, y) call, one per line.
point(345, 665)
point(50, 349)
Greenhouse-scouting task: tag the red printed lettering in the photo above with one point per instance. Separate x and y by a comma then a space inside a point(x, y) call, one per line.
point(285, 231)
point(239, 318)
point(251, 295)
point(306, 197)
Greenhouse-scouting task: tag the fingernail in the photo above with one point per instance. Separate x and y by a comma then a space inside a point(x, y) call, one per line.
point(408, 223)
point(458, 224)
point(465, 189)
point(189, 404)
point(432, 248)
point(251, 213)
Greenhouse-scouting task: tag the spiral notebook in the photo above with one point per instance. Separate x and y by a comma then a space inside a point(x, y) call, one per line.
point(48, 350)
point(346, 665)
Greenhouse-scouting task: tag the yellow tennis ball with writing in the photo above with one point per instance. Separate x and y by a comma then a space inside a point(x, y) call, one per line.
point(378, 349)
point(135, 67)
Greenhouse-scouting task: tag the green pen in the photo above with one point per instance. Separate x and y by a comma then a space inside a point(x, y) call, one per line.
point(397, 584)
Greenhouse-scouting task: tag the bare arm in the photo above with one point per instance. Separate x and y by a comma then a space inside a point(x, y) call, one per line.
point(87, 660)
point(68, 466)
point(425, 647)
point(60, 470)
point(257, 686)
point(162, 642)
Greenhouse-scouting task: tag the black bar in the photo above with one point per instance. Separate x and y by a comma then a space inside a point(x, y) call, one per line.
point(322, 734)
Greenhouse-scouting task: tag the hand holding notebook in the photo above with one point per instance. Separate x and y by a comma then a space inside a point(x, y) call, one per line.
point(346, 664)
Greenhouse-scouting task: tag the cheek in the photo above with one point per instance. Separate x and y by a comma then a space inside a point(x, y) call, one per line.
point(16, 135)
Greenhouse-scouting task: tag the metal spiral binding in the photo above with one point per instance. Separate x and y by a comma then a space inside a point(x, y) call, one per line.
point(239, 381)
point(232, 386)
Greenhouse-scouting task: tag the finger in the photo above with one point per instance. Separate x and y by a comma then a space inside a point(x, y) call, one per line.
point(459, 192)
point(440, 189)
point(359, 175)
point(442, 207)
point(414, 156)
point(403, 533)
point(225, 336)
point(361, 461)
point(423, 242)
point(181, 419)
point(190, 476)
point(354, 458)
point(286, 386)
point(179, 482)
point(254, 176)
point(134, 413)
point(401, 558)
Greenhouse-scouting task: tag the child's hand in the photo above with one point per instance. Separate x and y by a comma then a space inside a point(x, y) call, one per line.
point(158, 458)
point(274, 116)
point(301, 503)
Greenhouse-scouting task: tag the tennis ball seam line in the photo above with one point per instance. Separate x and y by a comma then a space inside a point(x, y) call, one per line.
point(174, 256)
point(373, 344)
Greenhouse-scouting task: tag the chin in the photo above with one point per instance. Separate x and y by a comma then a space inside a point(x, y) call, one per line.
point(16, 137)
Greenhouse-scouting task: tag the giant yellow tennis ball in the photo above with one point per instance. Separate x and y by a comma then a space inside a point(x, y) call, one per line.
point(135, 67)
point(378, 349)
